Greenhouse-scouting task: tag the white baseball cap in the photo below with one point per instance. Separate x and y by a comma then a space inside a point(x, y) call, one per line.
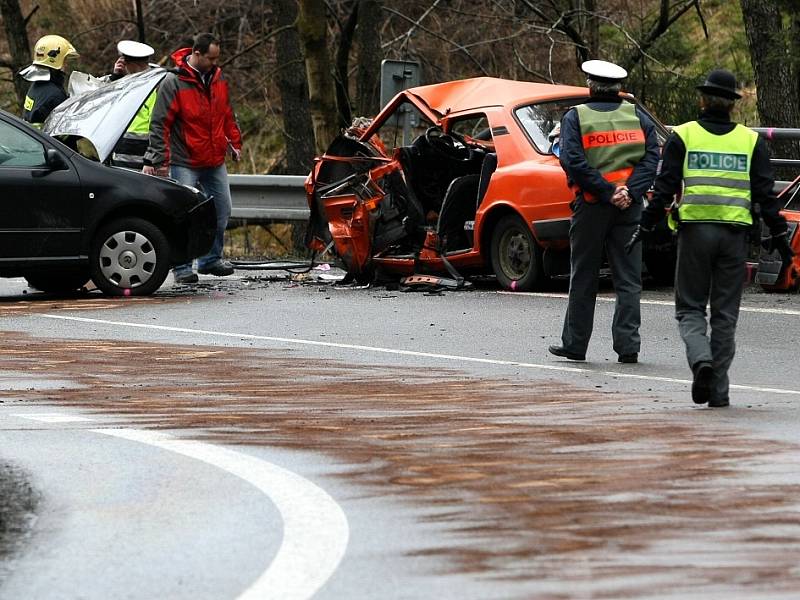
point(601, 70)
point(134, 49)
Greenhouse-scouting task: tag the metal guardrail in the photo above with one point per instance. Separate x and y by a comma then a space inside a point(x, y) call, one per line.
point(282, 197)
point(778, 133)
point(263, 198)
point(268, 198)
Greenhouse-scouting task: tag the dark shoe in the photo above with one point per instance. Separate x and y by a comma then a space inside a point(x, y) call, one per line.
point(185, 278)
point(702, 383)
point(560, 351)
point(633, 357)
point(221, 269)
point(719, 402)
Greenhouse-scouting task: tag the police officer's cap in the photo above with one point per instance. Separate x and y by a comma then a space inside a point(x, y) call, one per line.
point(601, 70)
point(722, 83)
point(134, 50)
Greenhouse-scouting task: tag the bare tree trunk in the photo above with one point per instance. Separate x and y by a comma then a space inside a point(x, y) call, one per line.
point(138, 12)
point(368, 39)
point(342, 60)
point(20, 50)
point(793, 7)
point(313, 31)
point(298, 130)
point(776, 79)
point(592, 29)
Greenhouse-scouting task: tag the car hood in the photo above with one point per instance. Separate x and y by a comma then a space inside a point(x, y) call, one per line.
point(102, 115)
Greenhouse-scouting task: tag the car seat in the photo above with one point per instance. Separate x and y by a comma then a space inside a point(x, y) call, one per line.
point(488, 167)
point(458, 207)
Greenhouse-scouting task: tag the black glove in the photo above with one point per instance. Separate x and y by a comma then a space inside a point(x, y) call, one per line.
point(781, 244)
point(641, 232)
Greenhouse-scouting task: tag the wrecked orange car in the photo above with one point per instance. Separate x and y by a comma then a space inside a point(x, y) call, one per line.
point(771, 273)
point(454, 178)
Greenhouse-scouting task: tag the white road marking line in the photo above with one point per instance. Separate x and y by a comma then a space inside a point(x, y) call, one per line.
point(752, 309)
point(490, 361)
point(315, 529)
point(52, 417)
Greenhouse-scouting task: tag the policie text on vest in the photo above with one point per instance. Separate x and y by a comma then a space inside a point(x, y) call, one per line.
point(717, 161)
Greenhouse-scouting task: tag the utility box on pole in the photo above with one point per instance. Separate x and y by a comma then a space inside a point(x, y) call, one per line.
point(396, 76)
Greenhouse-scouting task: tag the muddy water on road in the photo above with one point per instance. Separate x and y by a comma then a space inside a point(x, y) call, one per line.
point(579, 491)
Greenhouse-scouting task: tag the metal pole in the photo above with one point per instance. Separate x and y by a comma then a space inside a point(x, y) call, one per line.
point(778, 133)
point(139, 13)
point(785, 162)
point(771, 133)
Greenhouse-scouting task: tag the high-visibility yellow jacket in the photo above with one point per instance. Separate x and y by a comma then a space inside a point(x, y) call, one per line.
point(716, 174)
point(129, 151)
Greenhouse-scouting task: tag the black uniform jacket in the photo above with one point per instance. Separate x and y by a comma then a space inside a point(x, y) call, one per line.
point(669, 181)
point(573, 157)
point(46, 95)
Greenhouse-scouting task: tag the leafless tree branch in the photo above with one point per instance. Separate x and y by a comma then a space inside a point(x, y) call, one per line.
point(440, 37)
point(30, 15)
point(101, 26)
point(504, 38)
point(257, 43)
point(414, 24)
point(528, 70)
point(664, 21)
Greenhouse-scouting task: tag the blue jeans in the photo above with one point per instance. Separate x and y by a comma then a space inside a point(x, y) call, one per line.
point(214, 183)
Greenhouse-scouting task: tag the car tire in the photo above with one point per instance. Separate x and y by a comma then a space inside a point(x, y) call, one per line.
point(58, 282)
point(516, 257)
point(129, 257)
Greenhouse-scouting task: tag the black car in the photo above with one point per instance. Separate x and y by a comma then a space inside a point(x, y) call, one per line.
point(66, 219)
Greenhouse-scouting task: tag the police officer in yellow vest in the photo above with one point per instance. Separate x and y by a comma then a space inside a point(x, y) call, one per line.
point(46, 74)
point(134, 57)
point(609, 151)
point(724, 168)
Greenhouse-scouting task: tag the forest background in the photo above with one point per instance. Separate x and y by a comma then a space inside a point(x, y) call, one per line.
point(301, 70)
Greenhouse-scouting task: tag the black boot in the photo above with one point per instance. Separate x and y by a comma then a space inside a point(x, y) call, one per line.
point(561, 351)
point(702, 385)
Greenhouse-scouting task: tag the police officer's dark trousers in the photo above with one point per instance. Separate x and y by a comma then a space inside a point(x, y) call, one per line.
point(711, 267)
point(598, 230)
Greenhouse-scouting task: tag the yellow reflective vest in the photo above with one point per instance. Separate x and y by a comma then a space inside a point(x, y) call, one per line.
point(141, 122)
point(716, 174)
point(130, 149)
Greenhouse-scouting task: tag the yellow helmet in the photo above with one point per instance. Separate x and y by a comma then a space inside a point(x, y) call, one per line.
point(52, 50)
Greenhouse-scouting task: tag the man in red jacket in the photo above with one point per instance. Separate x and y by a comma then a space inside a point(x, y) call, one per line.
point(192, 128)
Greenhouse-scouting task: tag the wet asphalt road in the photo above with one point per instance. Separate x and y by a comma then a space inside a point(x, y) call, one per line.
point(468, 462)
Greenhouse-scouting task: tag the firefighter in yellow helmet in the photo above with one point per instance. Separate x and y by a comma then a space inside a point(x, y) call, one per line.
point(46, 75)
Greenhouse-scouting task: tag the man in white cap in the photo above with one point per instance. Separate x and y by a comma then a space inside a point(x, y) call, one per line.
point(719, 169)
point(609, 150)
point(134, 57)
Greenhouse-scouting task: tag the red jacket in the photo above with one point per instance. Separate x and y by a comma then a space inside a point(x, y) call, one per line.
point(192, 122)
